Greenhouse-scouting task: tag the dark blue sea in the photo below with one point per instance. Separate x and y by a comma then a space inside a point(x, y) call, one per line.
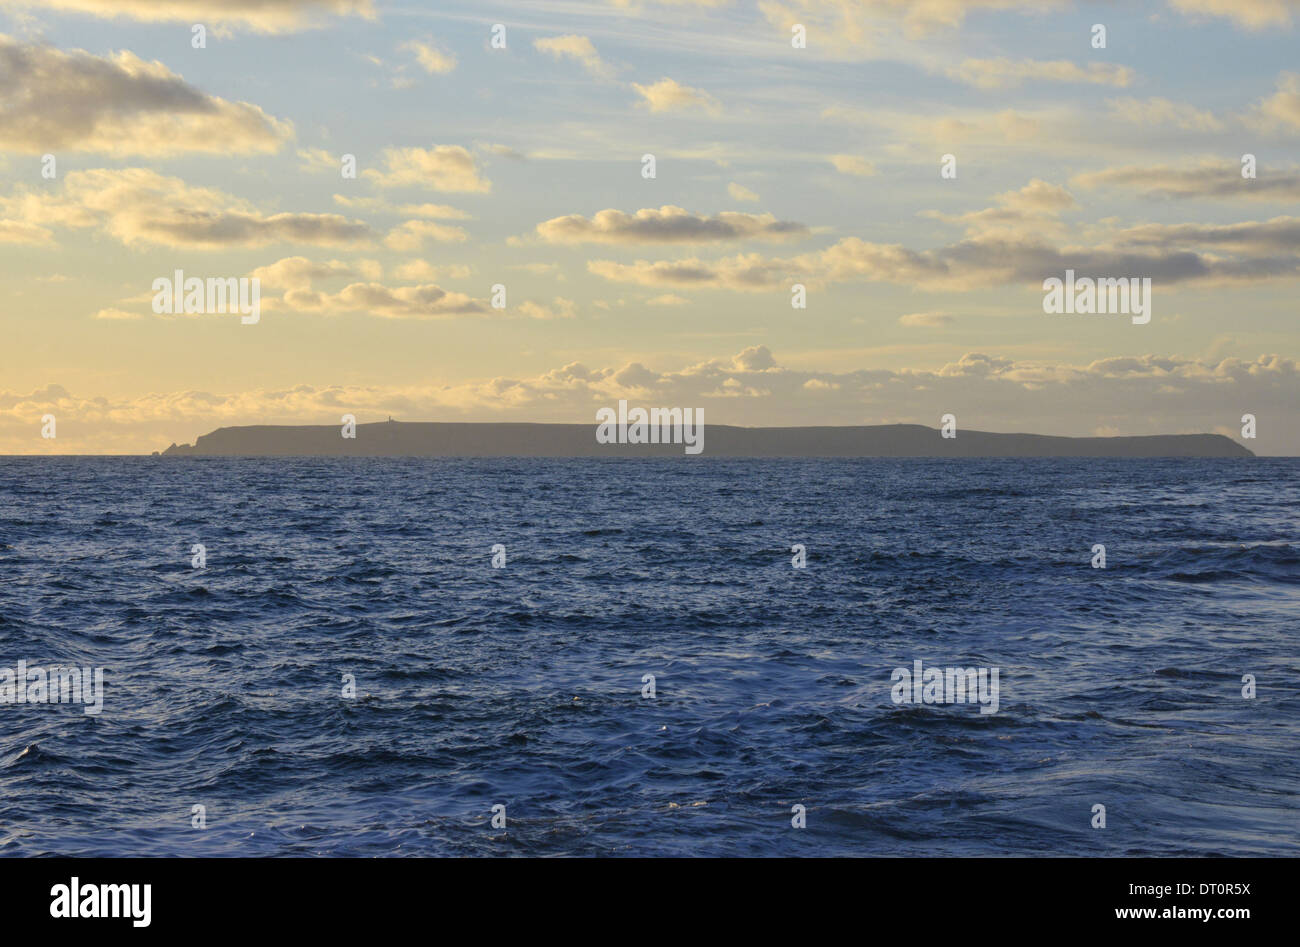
point(521, 686)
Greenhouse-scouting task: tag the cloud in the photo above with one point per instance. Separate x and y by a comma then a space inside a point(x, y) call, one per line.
point(667, 299)
point(861, 23)
point(739, 192)
point(1148, 112)
point(1142, 394)
point(577, 48)
point(426, 271)
point(265, 16)
point(928, 320)
point(431, 59)
point(433, 211)
point(411, 235)
point(634, 5)
point(756, 358)
point(118, 315)
point(667, 224)
point(852, 164)
point(17, 231)
point(298, 272)
point(1282, 109)
point(1251, 14)
point(537, 269)
point(1019, 241)
point(560, 308)
point(318, 161)
point(136, 205)
point(1212, 178)
point(1005, 73)
point(867, 28)
point(440, 168)
point(667, 95)
point(1279, 235)
point(423, 301)
point(73, 101)
point(504, 151)
point(749, 272)
point(380, 206)
point(1044, 127)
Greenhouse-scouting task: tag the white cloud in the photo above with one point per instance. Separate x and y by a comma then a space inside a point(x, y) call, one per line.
point(265, 16)
point(667, 95)
point(559, 308)
point(431, 59)
point(1005, 73)
point(1212, 178)
point(852, 164)
point(440, 168)
point(1280, 111)
point(928, 320)
point(667, 224)
point(1251, 14)
point(1148, 112)
point(577, 48)
point(411, 235)
point(136, 205)
point(120, 104)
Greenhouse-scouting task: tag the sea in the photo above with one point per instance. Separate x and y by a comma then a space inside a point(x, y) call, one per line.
point(677, 657)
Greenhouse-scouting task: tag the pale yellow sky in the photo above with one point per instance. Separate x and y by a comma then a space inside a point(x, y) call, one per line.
point(517, 158)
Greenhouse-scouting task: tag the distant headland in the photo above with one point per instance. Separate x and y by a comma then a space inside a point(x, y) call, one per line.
point(507, 439)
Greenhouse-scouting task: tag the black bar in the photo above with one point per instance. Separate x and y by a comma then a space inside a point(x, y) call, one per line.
point(650, 898)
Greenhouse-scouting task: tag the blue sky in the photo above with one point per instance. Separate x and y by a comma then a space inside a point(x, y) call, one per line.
point(817, 165)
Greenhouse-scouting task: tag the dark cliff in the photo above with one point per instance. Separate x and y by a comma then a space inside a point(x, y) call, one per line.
point(432, 439)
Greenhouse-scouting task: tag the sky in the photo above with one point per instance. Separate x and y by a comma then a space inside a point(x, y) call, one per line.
point(522, 165)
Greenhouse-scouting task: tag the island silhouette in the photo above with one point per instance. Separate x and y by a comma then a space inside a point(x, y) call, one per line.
point(510, 439)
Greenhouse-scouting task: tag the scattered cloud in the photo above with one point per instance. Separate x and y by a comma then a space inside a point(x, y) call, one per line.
point(264, 16)
point(56, 101)
point(559, 308)
point(1280, 111)
point(298, 272)
point(440, 168)
point(411, 235)
point(422, 301)
point(1251, 14)
point(667, 224)
point(1212, 178)
point(1005, 73)
point(137, 205)
point(1020, 240)
point(426, 271)
point(667, 95)
point(430, 58)
point(1143, 394)
point(577, 48)
point(853, 164)
point(1151, 112)
point(928, 320)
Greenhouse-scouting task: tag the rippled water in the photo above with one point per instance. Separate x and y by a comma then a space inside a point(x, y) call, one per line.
point(522, 685)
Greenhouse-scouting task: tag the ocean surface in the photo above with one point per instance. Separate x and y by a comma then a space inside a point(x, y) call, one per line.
point(522, 686)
